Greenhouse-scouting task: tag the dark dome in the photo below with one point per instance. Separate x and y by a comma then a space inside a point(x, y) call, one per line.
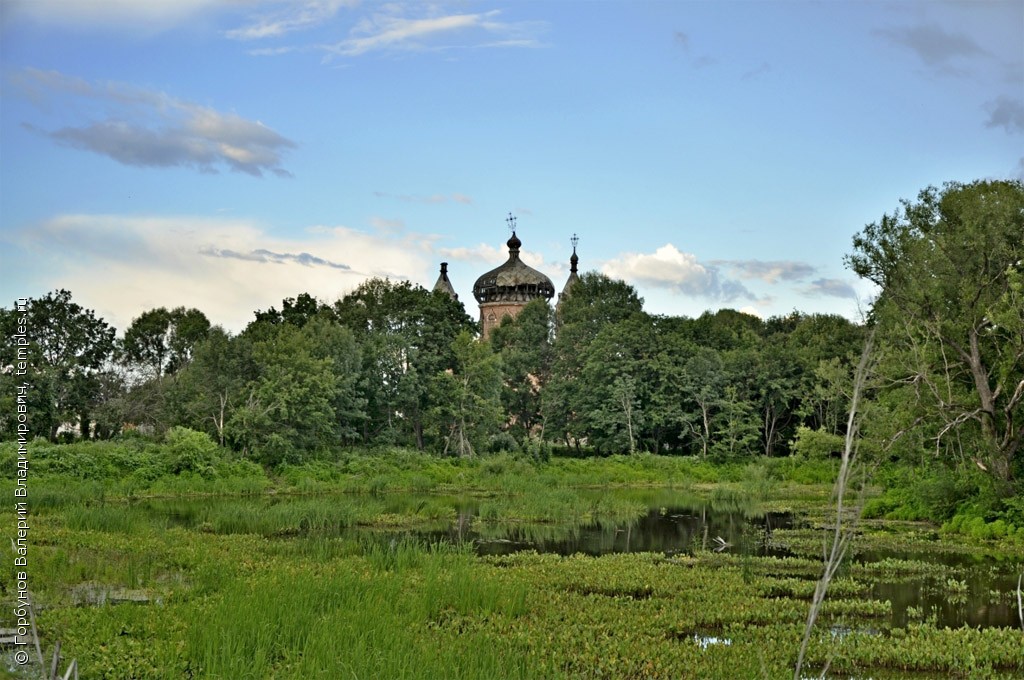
point(514, 281)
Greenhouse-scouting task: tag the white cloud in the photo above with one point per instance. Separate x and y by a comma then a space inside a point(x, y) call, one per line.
point(153, 15)
point(148, 128)
point(770, 271)
point(478, 253)
point(484, 254)
point(227, 268)
point(1007, 113)
point(391, 30)
point(831, 288)
point(670, 268)
point(387, 226)
point(292, 16)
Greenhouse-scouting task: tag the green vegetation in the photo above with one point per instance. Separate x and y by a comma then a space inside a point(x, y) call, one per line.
point(389, 390)
point(272, 587)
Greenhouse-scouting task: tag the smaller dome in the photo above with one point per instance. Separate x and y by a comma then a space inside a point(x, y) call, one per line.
point(514, 243)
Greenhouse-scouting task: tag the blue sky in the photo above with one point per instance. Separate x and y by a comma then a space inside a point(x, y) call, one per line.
point(227, 154)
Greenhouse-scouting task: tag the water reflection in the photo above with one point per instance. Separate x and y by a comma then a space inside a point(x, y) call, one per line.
point(669, 530)
point(960, 590)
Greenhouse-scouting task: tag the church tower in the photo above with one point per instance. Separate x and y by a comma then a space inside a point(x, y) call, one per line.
point(444, 284)
point(574, 276)
point(505, 290)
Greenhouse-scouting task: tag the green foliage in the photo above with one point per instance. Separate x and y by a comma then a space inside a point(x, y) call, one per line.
point(948, 265)
point(66, 351)
point(191, 451)
point(932, 493)
point(817, 444)
point(161, 341)
point(525, 346)
point(469, 410)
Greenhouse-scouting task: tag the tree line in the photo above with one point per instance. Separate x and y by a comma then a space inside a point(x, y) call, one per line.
point(394, 364)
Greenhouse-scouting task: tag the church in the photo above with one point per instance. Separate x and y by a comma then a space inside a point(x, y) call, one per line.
point(506, 289)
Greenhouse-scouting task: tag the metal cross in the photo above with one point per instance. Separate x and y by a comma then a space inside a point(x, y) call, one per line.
point(575, 239)
point(511, 222)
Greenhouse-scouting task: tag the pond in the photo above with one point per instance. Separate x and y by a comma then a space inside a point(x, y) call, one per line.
point(947, 586)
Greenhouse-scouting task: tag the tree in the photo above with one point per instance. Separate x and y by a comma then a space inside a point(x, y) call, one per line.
point(286, 410)
point(597, 301)
point(405, 333)
point(336, 343)
point(296, 311)
point(471, 408)
point(68, 348)
point(524, 343)
point(703, 388)
point(211, 386)
point(949, 267)
point(161, 341)
point(613, 391)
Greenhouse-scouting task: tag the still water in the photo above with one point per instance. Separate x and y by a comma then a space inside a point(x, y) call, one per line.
point(962, 590)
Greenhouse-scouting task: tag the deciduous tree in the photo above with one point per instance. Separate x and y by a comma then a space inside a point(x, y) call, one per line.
point(948, 266)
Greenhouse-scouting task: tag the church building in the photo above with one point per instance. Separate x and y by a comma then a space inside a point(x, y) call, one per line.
point(505, 290)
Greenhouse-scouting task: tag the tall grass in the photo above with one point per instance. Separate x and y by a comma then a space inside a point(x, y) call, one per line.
point(380, 621)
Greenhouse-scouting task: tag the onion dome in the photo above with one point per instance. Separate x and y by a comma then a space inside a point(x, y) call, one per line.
point(444, 284)
point(514, 281)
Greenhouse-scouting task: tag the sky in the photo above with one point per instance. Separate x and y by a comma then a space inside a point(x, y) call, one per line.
point(227, 154)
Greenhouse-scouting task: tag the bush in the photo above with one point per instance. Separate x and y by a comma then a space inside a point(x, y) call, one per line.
point(191, 451)
point(816, 444)
point(502, 442)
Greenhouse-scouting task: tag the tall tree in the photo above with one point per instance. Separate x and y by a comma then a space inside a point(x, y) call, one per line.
point(597, 301)
point(524, 344)
point(286, 410)
point(703, 394)
point(469, 410)
point(213, 384)
point(948, 266)
point(68, 348)
point(406, 335)
point(613, 392)
point(161, 341)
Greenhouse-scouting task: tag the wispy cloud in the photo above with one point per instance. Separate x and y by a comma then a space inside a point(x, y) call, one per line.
point(770, 272)
point(1007, 113)
point(144, 15)
point(940, 50)
point(392, 30)
point(292, 16)
point(268, 257)
point(387, 226)
point(670, 268)
point(830, 288)
point(226, 267)
point(483, 253)
point(147, 128)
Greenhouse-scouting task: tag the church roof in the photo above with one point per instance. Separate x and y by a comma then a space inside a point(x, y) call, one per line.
point(574, 262)
point(444, 284)
point(513, 281)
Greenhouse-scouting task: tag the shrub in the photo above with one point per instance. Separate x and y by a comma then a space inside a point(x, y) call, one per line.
point(502, 441)
point(816, 444)
point(191, 451)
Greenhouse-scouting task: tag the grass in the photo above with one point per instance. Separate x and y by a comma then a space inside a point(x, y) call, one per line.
point(275, 585)
point(249, 600)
